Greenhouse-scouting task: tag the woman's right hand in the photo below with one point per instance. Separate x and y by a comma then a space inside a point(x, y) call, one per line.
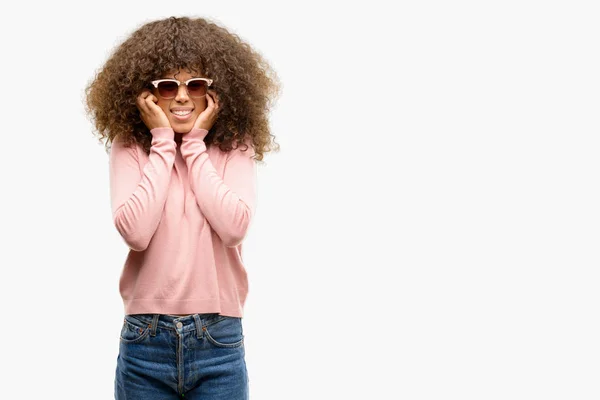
point(152, 115)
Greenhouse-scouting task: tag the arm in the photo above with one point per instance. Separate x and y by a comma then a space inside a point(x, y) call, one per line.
point(138, 198)
point(228, 203)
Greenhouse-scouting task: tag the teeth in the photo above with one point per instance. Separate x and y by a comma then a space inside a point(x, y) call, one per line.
point(181, 112)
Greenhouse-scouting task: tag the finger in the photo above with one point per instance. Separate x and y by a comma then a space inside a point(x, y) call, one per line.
point(150, 102)
point(141, 103)
point(215, 100)
point(149, 96)
point(142, 97)
point(210, 101)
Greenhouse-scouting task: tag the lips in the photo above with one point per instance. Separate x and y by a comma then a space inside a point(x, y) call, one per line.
point(182, 117)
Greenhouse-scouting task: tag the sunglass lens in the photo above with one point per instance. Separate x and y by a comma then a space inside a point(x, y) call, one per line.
point(197, 88)
point(167, 89)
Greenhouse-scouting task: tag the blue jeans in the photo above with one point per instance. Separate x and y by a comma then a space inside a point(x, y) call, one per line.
point(199, 356)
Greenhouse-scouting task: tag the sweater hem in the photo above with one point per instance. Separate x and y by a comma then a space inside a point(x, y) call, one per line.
point(191, 306)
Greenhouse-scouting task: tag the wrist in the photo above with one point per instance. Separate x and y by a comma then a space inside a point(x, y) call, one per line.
point(163, 133)
point(196, 133)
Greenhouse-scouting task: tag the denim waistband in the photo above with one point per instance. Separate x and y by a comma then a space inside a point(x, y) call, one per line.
point(182, 324)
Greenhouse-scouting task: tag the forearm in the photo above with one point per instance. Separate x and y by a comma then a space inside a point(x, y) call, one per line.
point(137, 218)
point(228, 209)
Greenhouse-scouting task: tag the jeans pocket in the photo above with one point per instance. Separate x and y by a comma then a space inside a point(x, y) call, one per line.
point(225, 332)
point(133, 330)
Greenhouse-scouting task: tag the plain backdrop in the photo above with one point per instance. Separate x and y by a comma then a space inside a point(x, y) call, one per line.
point(429, 229)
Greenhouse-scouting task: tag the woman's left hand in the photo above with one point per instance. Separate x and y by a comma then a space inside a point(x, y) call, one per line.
point(207, 118)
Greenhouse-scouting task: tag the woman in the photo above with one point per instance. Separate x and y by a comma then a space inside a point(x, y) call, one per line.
point(184, 104)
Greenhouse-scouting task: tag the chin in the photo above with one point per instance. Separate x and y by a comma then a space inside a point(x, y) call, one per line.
point(182, 128)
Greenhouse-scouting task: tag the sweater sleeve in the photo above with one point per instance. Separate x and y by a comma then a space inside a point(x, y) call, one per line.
point(227, 202)
point(138, 196)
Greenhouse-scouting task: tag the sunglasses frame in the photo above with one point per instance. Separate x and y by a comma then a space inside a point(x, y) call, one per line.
point(156, 82)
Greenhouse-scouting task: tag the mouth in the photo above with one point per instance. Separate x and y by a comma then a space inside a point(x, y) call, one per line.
point(182, 114)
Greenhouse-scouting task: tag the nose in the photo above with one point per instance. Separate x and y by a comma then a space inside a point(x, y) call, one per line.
point(182, 93)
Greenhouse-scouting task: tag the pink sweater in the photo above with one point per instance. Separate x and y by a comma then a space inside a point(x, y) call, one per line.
point(183, 211)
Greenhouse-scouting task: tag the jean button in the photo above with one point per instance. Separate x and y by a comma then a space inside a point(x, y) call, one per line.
point(179, 325)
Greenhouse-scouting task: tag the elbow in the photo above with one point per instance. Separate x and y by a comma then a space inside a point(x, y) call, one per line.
point(234, 237)
point(237, 233)
point(233, 240)
point(130, 235)
point(136, 243)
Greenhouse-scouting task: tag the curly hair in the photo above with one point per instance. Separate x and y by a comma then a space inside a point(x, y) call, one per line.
point(246, 84)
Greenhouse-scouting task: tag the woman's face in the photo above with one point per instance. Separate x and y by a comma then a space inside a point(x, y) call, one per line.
point(181, 124)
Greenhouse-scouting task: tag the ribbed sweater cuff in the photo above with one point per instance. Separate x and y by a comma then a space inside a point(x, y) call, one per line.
point(196, 133)
point(163, 133)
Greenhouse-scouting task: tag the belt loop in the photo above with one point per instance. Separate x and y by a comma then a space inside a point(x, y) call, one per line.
point(199, 331)
point(154, 325)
